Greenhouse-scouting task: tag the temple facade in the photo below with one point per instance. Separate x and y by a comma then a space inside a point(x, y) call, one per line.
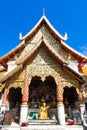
point(43, 69)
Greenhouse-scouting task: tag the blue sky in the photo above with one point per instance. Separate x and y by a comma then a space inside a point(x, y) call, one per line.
point(21, 15)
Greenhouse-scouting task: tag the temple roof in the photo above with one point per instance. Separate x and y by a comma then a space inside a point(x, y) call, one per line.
point(75, 53)
point(46, 22)
point(36, 46)
point(43, 21)
point(50, 50)
point(20, 68)
point(11, 73)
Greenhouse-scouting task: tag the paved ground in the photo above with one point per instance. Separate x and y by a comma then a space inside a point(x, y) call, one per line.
point(52, 127)
point(42, 127)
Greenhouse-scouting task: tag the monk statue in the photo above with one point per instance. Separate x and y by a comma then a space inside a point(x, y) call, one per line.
point(43, 112)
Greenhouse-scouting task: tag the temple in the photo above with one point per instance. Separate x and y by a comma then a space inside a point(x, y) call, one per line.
point(43, 69)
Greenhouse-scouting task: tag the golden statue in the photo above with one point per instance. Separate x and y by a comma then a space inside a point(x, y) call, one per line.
point(43, 111)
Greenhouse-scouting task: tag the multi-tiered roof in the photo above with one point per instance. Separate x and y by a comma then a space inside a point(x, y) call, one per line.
point(21, 57)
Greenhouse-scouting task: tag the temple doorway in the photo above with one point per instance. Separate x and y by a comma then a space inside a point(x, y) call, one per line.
point(70, 96)
point(14, 97)
point(71, 104)
point(13, 106)
point(42, 91)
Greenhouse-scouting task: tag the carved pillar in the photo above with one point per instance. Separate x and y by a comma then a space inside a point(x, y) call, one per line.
point(4, 101)
point(24, 106)
point(25, 91)
point(59, 90)
point(60, 106)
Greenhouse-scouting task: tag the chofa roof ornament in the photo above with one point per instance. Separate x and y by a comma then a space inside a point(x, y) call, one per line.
point(65, 36)
point(20, 36)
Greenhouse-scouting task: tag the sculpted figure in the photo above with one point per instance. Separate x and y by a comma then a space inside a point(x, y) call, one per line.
point(43, 111)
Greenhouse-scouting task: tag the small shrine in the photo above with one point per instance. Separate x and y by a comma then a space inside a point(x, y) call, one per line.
point(41, 79)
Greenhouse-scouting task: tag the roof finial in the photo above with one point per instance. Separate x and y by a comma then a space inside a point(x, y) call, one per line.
point(43, 12)
point(20, 36)
point(65, 36)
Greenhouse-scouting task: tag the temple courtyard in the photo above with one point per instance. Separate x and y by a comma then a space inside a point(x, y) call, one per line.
point(43, 127)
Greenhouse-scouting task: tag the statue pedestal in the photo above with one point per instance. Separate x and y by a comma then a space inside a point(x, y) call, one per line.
point(61, 114)
point(24, 114)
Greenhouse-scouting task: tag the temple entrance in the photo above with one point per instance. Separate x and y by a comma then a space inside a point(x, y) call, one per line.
point(71, 103)
point(13, 106)
point(42, 92)
point(14, 97)
point(70, 95)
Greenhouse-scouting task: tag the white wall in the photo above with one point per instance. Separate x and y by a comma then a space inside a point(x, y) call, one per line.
point(11, 66)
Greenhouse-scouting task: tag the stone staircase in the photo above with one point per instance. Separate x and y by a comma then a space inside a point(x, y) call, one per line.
point(51, 127)
point(43, 122)
point(43, 127)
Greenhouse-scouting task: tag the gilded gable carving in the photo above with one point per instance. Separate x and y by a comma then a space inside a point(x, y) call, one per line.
point(55, 44)
point(48, 38)
point(16, 81)
point(44, 65)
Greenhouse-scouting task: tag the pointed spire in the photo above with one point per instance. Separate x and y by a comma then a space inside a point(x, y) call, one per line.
point(43, 12)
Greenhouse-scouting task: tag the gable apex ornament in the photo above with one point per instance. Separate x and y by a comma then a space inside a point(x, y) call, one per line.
point(43, 13)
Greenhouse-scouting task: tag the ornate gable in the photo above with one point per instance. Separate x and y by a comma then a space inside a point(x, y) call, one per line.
point(45, 30)
point(43, 34)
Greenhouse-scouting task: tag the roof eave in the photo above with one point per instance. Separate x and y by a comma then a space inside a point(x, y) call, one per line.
point(10, 74)
point(76, 54)
point(4, 59)
point(73, 73)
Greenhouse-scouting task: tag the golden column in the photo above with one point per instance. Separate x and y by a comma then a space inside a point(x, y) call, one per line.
point(24, 106)
point(60, 106)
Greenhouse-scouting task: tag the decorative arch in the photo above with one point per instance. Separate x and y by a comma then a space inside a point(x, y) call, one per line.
point(42, 90)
